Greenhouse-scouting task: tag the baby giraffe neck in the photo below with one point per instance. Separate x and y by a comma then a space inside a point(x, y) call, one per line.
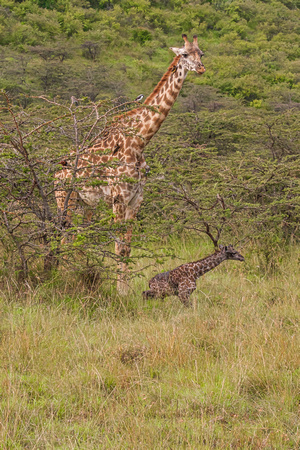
point(208, 263)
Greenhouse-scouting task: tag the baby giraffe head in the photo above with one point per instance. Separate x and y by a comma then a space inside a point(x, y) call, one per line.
point(190, 55)
point(231, 253)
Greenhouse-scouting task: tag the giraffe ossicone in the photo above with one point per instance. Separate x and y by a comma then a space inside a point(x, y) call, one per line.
point(181, 281)
point(126, 138)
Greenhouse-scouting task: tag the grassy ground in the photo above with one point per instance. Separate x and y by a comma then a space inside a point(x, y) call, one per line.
point(81, 370)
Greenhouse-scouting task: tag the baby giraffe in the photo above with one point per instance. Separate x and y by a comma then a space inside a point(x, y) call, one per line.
point(181, 281)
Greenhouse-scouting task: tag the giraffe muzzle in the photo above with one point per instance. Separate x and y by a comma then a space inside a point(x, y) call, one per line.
point(201, 70)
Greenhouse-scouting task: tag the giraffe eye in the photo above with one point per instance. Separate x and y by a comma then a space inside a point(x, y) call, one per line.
point(185, 55)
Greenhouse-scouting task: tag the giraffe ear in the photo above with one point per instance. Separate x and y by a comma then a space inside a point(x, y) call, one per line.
point(178, 51)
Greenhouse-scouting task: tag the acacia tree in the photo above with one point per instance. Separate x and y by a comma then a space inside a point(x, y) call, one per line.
point(36, 145)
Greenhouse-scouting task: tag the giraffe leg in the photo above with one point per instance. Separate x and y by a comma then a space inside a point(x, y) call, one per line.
point(122, 248)
point(185, 289)
point(51, 259)
point(125, 212)
point(65, 210)
point(88, 214)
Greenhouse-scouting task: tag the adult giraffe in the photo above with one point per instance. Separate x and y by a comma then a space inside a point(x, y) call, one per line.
point(126, 139)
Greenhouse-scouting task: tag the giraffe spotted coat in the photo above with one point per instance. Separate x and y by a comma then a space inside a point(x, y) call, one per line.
point(181, 281)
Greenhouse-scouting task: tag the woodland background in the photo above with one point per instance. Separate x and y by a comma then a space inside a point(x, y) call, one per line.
point(81, 364)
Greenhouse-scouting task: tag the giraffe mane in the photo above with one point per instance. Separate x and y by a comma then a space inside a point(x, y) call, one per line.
point(164, 78)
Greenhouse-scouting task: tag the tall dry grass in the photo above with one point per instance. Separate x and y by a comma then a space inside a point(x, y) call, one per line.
point(87, 369)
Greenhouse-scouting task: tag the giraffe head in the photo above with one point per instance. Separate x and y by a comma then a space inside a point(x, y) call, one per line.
point(231, 253)
point(190, 55)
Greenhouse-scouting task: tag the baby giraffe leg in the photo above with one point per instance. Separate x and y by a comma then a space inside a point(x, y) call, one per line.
point(149, 294)
point(185, 289)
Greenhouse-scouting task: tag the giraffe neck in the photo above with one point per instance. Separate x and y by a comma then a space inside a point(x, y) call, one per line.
point(162, 99)
point(205, 265)
point(133, 130)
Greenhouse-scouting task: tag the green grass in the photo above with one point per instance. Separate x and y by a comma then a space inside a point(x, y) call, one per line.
point(84, 369)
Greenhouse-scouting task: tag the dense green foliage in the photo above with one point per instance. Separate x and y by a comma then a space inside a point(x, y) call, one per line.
point(98, 48)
